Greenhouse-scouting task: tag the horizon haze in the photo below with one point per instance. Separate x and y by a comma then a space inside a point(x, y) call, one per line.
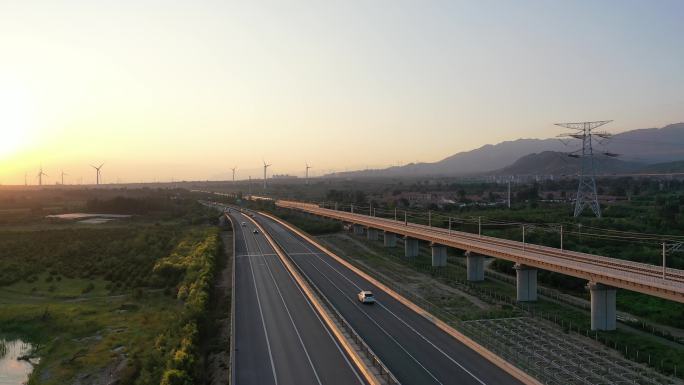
point(186, 91)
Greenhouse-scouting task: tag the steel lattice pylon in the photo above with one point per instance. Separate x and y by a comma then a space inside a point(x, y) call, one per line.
point(586, 191)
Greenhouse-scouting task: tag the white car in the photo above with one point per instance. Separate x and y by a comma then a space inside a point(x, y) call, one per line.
point(366, 296)
point(255, 231)
point(244, 224)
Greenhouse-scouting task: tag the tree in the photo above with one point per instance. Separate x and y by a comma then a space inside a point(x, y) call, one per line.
point(461, 194)
point(176, 377)
point(359, 197)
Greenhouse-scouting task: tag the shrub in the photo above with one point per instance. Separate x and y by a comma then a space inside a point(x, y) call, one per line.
point(191, 267)
point(89, 287)
point(176, 377)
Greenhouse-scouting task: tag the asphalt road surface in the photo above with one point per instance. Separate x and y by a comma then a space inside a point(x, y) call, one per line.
point(414, 349)
point(279, 339)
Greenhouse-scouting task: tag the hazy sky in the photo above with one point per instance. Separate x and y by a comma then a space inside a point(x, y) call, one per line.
point(187, 89)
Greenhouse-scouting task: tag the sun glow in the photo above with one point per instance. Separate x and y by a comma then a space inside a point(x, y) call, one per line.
point(14, 121)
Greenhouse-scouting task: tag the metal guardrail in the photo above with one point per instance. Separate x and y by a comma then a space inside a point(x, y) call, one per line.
point(368, 352)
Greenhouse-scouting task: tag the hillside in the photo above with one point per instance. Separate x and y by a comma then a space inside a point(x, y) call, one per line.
point(557, 163)
point(668, 167)
point(646, 146)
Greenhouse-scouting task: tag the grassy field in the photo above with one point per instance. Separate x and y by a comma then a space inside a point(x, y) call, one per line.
point(87, 328)
point(125, 301)
point(88, 338)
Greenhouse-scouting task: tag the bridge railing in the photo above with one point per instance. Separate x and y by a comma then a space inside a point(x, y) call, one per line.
point(537, 252)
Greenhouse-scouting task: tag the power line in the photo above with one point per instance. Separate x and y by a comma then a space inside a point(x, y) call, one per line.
point(554, 227)
point(676, 144)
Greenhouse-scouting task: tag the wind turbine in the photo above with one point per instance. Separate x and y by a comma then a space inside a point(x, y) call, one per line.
point(97, 172)
point(307, 172)
point(40, 176)
point(234, 168)
point(63, 174)
point(25, 178)
point(266, 166)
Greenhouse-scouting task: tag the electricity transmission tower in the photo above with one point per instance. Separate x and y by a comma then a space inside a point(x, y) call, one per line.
point(586, 191)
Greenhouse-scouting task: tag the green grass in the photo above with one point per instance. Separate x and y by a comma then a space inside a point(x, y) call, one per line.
point(80, 337)
point(90, 299)
point(651, 308)
point(48, 286)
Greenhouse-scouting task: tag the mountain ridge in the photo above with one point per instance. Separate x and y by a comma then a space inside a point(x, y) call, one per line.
point(643, 146)
point(560, 164)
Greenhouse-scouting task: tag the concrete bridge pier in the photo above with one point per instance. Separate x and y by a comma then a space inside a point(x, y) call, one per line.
point(526, 282)
point(411, 247)
point(390, 239)
point(372, 234)
point(358, 229)
point(474, 266)
point(603, 315)
point(439, 255)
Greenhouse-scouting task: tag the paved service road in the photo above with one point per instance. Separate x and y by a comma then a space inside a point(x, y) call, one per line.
point(278, 338)
point(414, 349)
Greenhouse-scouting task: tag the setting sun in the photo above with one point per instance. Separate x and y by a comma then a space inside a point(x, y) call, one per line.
point(14, 121)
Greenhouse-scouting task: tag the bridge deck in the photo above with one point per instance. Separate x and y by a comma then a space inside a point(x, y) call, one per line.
point(636, 276)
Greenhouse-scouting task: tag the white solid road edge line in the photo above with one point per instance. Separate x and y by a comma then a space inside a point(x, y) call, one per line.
point(481, 350)
point(231, 369)
point(358, 361)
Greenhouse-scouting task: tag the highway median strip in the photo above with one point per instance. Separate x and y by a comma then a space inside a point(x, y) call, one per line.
point(346, 343)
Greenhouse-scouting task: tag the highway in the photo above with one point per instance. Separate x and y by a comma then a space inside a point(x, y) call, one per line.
point(640, 277)
point(414, 349)
point(278, 337)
